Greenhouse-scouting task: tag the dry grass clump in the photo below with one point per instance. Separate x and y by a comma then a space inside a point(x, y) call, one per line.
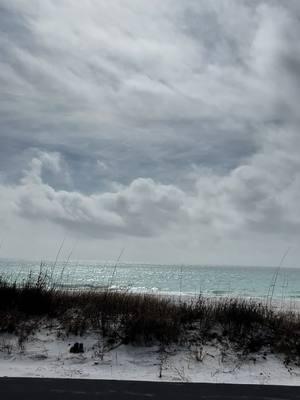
point(142, 318)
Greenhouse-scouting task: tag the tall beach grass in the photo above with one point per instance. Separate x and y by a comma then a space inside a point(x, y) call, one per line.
point(122, 317)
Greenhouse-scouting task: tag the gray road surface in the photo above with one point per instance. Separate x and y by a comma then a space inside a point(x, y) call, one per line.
point(67, 389)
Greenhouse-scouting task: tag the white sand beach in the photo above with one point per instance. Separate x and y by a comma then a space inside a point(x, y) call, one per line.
point(47, 354)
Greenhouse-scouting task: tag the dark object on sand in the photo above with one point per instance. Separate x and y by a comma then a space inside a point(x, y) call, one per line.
point(77, 348)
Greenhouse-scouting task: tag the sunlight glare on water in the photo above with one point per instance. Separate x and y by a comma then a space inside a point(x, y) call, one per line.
point(172, 279)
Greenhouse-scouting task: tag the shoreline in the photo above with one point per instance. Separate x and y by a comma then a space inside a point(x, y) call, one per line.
point(285, 303)
point(291, 305)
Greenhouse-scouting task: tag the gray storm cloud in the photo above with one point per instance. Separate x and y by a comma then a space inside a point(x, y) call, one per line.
point(149, 119)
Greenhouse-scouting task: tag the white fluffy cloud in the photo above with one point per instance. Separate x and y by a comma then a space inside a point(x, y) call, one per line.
point(251, 197)
point(142, 208)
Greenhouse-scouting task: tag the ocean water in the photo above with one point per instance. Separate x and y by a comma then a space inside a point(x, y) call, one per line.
point(254, 282)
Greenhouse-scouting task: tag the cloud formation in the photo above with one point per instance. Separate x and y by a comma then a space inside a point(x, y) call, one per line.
point(137, 209)
point(151, 120)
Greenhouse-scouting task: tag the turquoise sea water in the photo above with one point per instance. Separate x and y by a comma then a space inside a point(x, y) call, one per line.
point(172, 279)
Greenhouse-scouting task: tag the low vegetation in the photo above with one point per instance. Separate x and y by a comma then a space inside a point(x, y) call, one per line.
point(123, 317)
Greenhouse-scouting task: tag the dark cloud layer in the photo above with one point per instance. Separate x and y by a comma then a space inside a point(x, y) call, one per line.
point(166, 120)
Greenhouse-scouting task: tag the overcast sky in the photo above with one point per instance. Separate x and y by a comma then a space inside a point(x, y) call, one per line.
point(170, 128)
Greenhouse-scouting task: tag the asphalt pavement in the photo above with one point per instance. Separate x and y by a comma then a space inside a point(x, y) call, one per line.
point(67, 389)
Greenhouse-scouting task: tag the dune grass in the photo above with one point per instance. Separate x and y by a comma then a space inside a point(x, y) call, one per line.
point(123, 317)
